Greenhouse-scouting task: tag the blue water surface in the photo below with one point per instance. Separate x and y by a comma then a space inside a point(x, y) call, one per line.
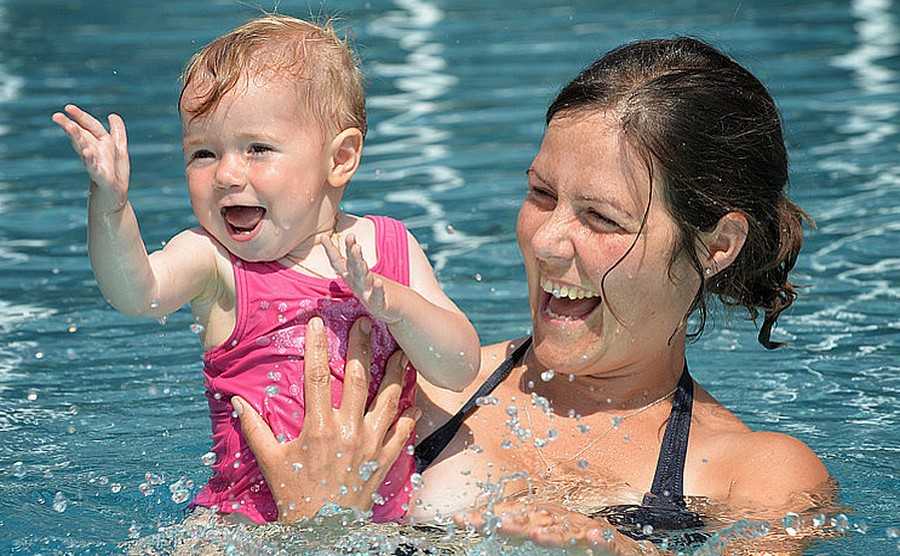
point(92, 401)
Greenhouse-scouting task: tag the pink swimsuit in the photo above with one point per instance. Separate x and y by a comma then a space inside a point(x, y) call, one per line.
point(262, 362)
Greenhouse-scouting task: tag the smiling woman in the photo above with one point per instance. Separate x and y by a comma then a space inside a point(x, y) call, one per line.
point(660, 182)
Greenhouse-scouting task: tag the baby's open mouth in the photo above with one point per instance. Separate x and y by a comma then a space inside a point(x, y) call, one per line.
point(242, 220)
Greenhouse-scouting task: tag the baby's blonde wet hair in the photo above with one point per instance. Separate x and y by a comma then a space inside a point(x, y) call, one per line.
point(324, 66)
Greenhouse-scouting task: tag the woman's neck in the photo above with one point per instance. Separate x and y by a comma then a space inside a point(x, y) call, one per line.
point(613, 389)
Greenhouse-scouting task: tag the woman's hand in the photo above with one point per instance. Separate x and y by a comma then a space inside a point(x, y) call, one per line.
point(552, 525)
point(341, 455)
point(104, 154)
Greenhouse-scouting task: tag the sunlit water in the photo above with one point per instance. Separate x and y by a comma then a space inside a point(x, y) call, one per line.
point(100, 415)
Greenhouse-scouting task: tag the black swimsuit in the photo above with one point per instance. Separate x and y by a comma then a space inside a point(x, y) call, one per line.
point(663, 508)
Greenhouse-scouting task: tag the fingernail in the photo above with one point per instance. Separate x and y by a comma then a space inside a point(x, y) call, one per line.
point(315, 323)
point(238, 406)
point(366, 326)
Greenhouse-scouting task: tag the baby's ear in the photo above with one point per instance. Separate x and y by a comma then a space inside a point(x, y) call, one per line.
point(344, 154)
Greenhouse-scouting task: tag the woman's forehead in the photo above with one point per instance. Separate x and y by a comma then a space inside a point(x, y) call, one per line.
point(588, 155)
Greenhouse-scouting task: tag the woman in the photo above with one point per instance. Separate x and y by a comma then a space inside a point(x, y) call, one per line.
point(660, 182)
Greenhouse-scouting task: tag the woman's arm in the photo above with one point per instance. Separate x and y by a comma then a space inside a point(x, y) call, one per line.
point(307, 473)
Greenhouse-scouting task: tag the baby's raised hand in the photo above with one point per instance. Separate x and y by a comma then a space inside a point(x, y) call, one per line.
point(104, 154)
point(368, 286)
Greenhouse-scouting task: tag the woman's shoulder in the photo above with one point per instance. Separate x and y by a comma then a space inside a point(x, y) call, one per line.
point(760, 468)
point(492, 356)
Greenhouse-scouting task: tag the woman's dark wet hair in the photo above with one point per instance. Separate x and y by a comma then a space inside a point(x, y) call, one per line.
point(715, 133)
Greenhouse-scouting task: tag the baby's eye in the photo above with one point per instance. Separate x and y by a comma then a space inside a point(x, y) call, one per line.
point(202, 153)
point(259, 148)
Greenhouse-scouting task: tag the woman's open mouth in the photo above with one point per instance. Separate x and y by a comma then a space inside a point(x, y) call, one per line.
point(562, 302)
point(242, 221)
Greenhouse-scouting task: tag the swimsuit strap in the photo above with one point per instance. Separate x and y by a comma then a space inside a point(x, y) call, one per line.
point(429, 449)
point(668, 481)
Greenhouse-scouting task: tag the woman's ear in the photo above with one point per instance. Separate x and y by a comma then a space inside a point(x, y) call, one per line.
point(344, 154)
point(724, 243)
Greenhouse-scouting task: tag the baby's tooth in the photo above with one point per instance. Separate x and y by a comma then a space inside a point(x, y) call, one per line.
point(564, 292)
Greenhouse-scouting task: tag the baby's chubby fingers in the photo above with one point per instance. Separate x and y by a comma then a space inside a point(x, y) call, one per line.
point(338, 262)
point(118, 133)
point(86, 121)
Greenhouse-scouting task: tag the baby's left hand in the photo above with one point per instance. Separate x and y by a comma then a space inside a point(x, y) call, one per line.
point(368, 286)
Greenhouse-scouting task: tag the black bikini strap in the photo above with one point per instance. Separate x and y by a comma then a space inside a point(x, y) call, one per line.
point(668, 482)
point(429, 449)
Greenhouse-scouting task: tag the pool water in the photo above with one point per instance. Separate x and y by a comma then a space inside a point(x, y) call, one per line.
point(101, 414)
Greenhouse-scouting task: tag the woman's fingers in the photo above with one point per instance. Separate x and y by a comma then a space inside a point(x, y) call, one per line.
point(384, 407)
point(398, 437)
point(86, 121)
point(255, 430)
point(316, 378)
point(356, 372)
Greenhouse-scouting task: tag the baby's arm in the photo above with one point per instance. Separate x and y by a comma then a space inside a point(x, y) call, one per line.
point(133, 282)
point(435, 335)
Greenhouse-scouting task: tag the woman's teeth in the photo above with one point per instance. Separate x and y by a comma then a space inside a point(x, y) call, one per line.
point(560, 291)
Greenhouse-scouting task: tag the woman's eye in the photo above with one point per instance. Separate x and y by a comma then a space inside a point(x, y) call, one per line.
point(540, 193)
point(600, 219)
point(260, 149)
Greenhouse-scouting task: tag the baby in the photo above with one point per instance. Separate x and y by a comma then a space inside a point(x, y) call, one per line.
point(273, 117)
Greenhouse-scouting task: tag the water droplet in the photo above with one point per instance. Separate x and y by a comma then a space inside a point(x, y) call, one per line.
point(512, 410)
point(608, 535)
point(861, 527)
point(416, 480)
point(548, 375)
point(367, 469)
point(571, 378)
point(271, 390)
point(296, 467)
point(583, 464)
point(840, 523)
point(70, 429)
point(616, 421)
point(482, 401)
point(281, 319)
point(506, 444)
point(115, 488)
point(647, 529)
point(18, 469)
point(145, 489)
point(552, 435)
point(539, 442)
point(154, 304)
point(818, 520)
point(180, 496)
point(60, 502)
point(274, 376)
point(411, 450)
point(72, 329)
point(153, 478)
point(477, 277)
point(476, 449)
point(134, 531)
point(377, 499)
point(584, 428)
point(281, 438)
point(32, 395)
point(197, 328)
point(791, 522)
point(451, 229)
point(343, 490)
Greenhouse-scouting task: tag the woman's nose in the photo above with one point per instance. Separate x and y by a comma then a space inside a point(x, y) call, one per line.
point(552, 242)
point(231, 171)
